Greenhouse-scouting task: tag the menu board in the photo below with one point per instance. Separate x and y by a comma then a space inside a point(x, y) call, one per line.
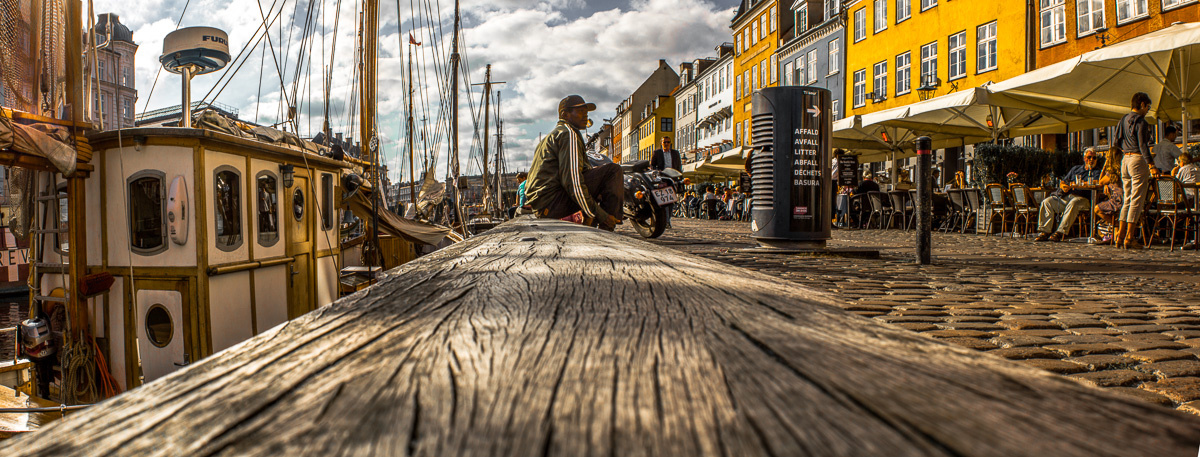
point(847, 171)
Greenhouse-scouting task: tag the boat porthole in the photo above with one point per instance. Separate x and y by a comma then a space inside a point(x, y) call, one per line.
point(159, 328)
point(298, 204)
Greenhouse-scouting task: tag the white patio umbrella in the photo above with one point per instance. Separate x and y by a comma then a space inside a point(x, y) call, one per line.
point(980, 113)
point(1164, 64)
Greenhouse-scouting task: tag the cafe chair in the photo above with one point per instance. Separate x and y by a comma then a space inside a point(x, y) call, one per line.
point(956, 210)
point(881, 208)
point(901, 203)
point(1022, 208)
point(998, 207)
point(1170, 205)
point(974, 204)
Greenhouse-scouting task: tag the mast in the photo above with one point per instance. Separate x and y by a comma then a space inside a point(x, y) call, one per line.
point(499, 156)
point(370, 143)
point(412, 186)
point(487, 97)
point(454, 172)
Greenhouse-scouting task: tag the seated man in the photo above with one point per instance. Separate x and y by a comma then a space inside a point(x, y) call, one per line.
point(1068, 200)
point(857, 212)
point(1108, 210)
point(562, 182)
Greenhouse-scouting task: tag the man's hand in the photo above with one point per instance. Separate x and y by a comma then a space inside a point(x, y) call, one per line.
point(612, 221)
point(1064, 186)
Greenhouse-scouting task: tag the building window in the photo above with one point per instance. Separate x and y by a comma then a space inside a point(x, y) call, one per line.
point(754, 85)
point(753, 33)
point(127, 108)
point(765, 74)
point(836, 112)
point(738, 43)
point(832, 7)
point(801, 70)
point(101, 73)
point(903, 73)
point(801, 19)
point(1173, 3)
point(667, 124)
point(762, 27)
point(860, 25)
point(774, 68)
point(880, 15)
point(1054, 22)
point(737, 87)
point(880, 88)
point(1090, 16)
point(125, 76)
point(227, 199)
point(903, 10)
point(927, 4)
point(267, 198)
point(812, 66)
point(860, 88)
point(787, 74)
point(147, 212)
point(985, 48)
point(1128, 10)
point(958, 55)
point(774, 19)
point(834, 56)
point(929, 63)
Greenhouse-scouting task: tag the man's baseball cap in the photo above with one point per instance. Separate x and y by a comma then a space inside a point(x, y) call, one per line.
point(574, 101)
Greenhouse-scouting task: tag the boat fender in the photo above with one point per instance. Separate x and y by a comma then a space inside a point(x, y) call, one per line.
point(177, 211)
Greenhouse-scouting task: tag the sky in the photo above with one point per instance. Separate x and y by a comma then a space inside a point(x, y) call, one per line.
point(542, 50)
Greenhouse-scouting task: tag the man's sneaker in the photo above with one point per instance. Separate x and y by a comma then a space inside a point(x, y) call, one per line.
point(1042, 237)
point(1056, 237)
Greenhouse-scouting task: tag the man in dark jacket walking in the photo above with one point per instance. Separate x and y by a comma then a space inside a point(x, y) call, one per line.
point(562, 182)
point(666, 157)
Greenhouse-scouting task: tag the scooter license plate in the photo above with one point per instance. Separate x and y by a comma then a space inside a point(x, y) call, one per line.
point(664, 196)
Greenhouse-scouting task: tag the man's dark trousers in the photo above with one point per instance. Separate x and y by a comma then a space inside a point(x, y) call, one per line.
point(604, 183)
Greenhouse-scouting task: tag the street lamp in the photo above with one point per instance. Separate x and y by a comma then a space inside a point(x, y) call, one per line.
point(929, 86)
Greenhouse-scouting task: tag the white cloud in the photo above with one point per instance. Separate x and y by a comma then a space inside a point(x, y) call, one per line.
point(544, 50)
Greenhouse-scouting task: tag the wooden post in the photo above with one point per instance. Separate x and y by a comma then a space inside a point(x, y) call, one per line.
point(77, 255)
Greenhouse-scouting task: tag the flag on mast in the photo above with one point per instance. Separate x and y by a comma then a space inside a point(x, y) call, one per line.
point(412, 40)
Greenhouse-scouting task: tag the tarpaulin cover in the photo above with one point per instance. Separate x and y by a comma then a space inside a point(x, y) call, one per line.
point(43, 140)
point(414, 231)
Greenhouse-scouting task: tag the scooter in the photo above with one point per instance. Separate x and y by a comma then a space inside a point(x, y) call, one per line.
point(649, 194)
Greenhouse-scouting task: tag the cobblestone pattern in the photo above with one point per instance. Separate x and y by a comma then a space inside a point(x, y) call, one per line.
point(1127, 321)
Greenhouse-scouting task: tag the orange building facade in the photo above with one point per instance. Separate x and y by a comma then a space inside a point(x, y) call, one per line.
point(1068, 28)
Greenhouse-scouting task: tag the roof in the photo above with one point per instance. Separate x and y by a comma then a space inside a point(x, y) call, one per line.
point(119, 33)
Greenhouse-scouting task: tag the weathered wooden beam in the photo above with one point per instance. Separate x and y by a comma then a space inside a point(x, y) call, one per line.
point(546, 338)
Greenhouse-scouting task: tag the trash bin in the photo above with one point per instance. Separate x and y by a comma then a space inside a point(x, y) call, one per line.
point(791, 132)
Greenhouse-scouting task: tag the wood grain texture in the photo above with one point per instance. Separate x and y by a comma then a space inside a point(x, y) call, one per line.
point(547, 338)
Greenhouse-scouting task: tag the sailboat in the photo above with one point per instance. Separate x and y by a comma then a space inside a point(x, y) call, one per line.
point(154, 247)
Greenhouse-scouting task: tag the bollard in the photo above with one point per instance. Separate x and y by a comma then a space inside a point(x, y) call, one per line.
point(924, 199)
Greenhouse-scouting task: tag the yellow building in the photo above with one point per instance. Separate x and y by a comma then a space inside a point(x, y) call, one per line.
point(757, 27)
point(901, 51)
point(658, 121)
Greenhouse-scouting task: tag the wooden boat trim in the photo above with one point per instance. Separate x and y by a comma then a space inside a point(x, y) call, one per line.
point(234, 267)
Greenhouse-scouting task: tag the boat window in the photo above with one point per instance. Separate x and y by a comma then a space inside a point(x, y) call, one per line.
point(147, 212)
point(326, 201)
point(159, 328)
point(228, 204)
point(298, 204)
point(268, 208)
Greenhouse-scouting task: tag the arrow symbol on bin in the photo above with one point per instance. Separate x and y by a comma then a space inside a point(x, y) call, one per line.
point(814, 111)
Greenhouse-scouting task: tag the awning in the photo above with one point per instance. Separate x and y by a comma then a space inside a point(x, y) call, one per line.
point(1164, 64)
point(715, 117)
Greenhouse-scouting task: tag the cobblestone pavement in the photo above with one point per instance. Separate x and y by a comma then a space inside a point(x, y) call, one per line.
point(1128, 321)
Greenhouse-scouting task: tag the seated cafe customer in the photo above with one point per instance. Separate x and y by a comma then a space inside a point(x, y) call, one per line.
point(1068, 199)
point(857, 209)
point(1108, 210)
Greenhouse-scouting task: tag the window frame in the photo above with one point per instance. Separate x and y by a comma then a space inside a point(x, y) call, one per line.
point(787, 73)
point(162, 204)
point(927, 4)
point(993, 40)
point(907, 70)
point(860, 24)
point(1054, 8)
point(859, 88)
point(1135, 17)
point(879, 78)
point(265, 239)
point(879, 7)
point(328, 214)
point(961, 51)
point(932, 57)
point(1181, 4)
point(812, 66)
point(774, 68)
point(835, 50)
point(798, 13)
point(907, 10)
point(1091, 16)
point(237, 188)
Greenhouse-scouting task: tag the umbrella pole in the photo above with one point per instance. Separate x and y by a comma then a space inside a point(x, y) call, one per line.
point(1183, 103)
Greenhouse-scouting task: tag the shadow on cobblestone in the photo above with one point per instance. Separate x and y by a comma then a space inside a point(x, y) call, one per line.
point(1127, 321)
